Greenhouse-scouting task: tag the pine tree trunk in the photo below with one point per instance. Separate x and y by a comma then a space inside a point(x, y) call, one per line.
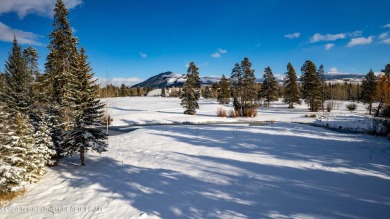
point(370, 107)
point(82, 156)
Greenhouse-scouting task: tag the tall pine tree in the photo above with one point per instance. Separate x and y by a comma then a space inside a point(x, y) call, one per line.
point(368, 89)
point(60, 75)
point(321, 76)
point(249, 100)
point(191, 90)
point(17, 93)
point(87, 110)
point(224, 91)
point(269, 89)
point(291, 89)
point(236, 78)
point(311, 86)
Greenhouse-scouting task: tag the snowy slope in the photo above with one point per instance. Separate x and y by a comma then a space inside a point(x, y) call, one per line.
point(281, 170)
point(219, 171)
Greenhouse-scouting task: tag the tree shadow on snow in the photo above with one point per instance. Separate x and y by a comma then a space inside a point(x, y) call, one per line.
point(216, 187)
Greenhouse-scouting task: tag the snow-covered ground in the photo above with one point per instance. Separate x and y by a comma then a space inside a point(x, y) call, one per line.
point(281, 170)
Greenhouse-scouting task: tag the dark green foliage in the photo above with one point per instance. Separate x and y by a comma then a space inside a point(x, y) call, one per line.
point(368, 89)
point(87, 111)
point(311, 86)
point(31, 57)
point(163, 92)
point(208, 94)
point(224, 91)
point(269, 89)
point(321, 76)
point(387, 70)
point(17, 94)
point(191, 89)
point(59, 77)
point(244, 88)
point(291, 89)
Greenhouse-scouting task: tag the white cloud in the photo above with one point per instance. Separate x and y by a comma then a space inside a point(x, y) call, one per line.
point(327, 37)
point(222, 51)
point(143, 55)
point(386, 41)
point(386, 26)
point(357, 33)
point(219, 53)
point(384, 35)
point(40, 7)
point(7, 35)
point(328, 46)
point(333, 70)
point(360, 41)
point(216, 55)
point(292, 35)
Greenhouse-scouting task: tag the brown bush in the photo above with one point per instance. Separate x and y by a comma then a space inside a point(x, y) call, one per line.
point(221, 112)
point(351, 107)
point(250, 112)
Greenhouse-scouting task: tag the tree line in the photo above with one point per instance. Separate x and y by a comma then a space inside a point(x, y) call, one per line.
point(44, 116)
point(247, 95)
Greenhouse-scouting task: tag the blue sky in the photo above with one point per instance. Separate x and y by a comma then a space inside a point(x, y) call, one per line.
point(131, 40)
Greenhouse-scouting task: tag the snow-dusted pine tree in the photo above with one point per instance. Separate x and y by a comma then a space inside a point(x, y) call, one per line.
point(291, 89)
point(191, 90)
point(269, 89)
point(87, 110)
point(59, 74)
point(18, 154)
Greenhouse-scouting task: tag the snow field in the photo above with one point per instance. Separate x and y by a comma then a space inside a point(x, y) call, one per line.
point(282, 170)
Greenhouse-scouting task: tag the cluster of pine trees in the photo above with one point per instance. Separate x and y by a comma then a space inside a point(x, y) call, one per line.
point(247, 95)
point(47, 115)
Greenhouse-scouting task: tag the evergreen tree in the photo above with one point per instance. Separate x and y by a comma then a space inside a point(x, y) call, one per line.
point(311, 86)
point(17, 93)
point(123, 91)
point(224, 91)
point(237, 87)
point(87, 111)
point(291, 89)
point(269, 89)
point(208, 94)
point(321, 76)
point(18, 154)
point(163, 92)
point(31, 57)
point(249, 89)
point(59, 74)
point(190, 92)
point(368, 89)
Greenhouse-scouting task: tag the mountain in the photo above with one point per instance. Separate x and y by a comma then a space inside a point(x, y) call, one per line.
point(170, 79)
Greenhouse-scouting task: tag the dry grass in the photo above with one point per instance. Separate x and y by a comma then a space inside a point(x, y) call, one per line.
point(251, 112)
point(5, 198)
point(221, 112)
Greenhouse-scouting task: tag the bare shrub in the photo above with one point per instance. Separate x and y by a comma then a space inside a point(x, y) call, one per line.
point(221, 112)
point(106, 118)
point(232, 113)
point(250, 112)
point(351, 106)
point(313, 115)
point(329, 106)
